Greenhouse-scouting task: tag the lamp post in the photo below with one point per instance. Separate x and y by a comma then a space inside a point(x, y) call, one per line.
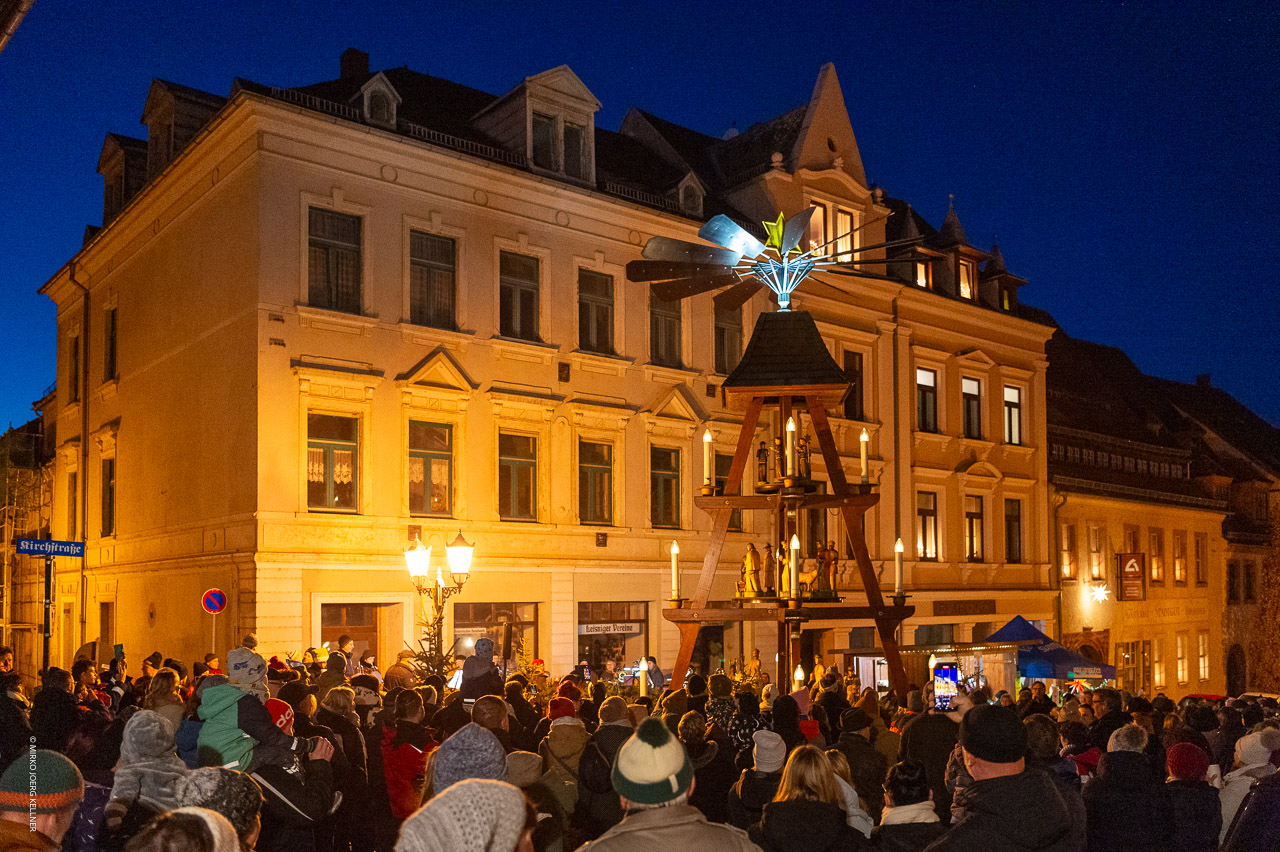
point(436, 590)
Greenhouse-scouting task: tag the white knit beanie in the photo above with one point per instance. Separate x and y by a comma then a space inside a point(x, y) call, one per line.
point(652, 766)
point(220, 828)
point(477, 815)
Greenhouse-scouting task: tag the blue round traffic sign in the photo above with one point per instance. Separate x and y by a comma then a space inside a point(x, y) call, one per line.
point(214, 601)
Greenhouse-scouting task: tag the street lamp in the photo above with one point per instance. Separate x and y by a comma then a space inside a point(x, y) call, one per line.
point(418, 560)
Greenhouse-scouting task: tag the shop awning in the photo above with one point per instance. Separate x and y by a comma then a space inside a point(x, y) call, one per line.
point(1045, 658)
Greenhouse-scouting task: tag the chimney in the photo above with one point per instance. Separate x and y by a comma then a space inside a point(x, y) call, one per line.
point(1202, 381)
point(354, 63)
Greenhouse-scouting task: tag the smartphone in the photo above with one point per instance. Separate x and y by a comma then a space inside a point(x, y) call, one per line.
point(946, 684)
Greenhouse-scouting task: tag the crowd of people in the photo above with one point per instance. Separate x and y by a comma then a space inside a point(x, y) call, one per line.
point(337, 755)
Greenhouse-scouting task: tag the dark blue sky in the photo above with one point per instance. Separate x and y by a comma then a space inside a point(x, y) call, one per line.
point(1128, 156)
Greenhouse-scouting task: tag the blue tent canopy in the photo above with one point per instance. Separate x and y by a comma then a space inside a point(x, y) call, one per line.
point(1047, 658)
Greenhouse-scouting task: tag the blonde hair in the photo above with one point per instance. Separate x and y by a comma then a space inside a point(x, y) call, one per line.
point(340, 700)
point(840, 765)
point(164, 684)
point(808, 775)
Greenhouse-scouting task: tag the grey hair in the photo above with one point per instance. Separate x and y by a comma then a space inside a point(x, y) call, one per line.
point(1128, 738)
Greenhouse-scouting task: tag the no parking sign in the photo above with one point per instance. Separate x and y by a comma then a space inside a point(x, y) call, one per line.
point(214, 601)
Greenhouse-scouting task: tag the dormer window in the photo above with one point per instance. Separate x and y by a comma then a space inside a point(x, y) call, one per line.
point(691, 200)
point(560, 146)
point(380, 101)
point(380, 108)
point(836, 224)
point(575, 150)
point(924, 275)
point(968, 274)
point(544, 141)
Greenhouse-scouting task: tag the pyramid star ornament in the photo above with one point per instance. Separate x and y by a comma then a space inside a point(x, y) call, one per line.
point(1100, 593)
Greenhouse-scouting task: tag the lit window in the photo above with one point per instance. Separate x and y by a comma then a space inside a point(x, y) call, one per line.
point(924, 275)
point(664, 487)
point(1180, 557)
point(595, 483)
point(1181, 645)
point(1157, 663)
point(1202, 647)
point(844, 235)
point(818, 227)
point(1156, 555)
point(1095, 553)
point(971, 397)
point(926, 525)
point(1012, 415)
point(432, 268)
point(430, 468)
point(595, 312)
point(333, 274)
point(1068, 551)
point(966, 279)
point(926, 400)
point(332, 452)
point(518, 296)
point(973, 528)
point(517, 477)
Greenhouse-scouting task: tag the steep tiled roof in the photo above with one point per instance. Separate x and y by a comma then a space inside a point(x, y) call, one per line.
point(1226, 416)
point(952, 232)
point(785, 350)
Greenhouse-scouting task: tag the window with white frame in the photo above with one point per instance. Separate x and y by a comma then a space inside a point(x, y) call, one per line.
point(595, 312)
point(561, 146)
point(926, 400)
point(968, 272)
point(973, 528)
point(1096, 565)
point(333, 444)
point(1180, 557)
point(1157, 662)
point(1202, 647)
point(728, 338)
point(430, 468)
point(1067, 551)
point(1012, 415)
point(432, 280)
point(333, 270)
point(664, 332)
point(971, 400)
point(1201, 559)
point(926, 525)
point(1180, 643)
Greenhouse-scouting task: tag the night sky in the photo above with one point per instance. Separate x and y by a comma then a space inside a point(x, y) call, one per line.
point(1127, 155)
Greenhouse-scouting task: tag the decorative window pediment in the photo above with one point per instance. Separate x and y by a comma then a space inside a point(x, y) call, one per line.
point(976, 358)
point(676, 413)
point(979, 475)
point(436, 382)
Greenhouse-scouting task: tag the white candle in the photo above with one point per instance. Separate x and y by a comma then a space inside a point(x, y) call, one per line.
point(862, 440)
point(675, 571)
point(897, 568)
point(791, 446)
point(798, 677)
point(795, 566)
point(708, 472)
point(644, 676)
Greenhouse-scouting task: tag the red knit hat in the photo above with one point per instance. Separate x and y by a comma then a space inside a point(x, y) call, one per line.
point(569, 691)
point(281, 714)
point(559, 708)
point(1187, 762)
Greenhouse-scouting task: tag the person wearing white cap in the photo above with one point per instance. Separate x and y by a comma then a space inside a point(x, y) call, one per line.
point(757, 786)
point(1253, 761)
point(653, 777)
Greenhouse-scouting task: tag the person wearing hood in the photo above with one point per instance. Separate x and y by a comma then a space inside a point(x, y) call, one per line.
point(786, 722)
point(832, 701)
point(746, 720)
point(672, 709)
point(599, 807)
point(238, 731)
point(247, 670)
point(1008, 806)
point(867, 766)
point(561, 750)
point(149, 772)
point(720, 705)
point(479, 675)
point(758, 784)
point(713, 769)
point(473, 752)
point(405, 747)
point(1252, 762)
point(909, 822)
point(807, 814)
point(1127, 806)
point(1195, 804)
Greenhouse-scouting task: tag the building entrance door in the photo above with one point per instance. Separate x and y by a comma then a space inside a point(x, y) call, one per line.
point(372, 626)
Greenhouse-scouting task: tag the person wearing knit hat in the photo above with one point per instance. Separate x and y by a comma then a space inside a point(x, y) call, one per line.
point(233, 794)
point(1253, 762)
point(247, 670)
point(1007, 806)
point(613, 710)
point(720, 704)
point(673, 708)
point(39, 795)
point(867, 766)
point(476, 815)
point(472, 752)
point(653, 776)
point(1195, 805)
point(186, 828)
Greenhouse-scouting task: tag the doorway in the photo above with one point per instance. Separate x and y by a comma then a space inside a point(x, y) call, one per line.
point(372, 626)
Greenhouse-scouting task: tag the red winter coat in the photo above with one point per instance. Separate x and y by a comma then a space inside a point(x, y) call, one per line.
point(404, 764)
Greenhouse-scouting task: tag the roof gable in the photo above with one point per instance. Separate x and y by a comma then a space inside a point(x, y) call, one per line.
point(563, 83)
point(678, 403)
point(437, 371)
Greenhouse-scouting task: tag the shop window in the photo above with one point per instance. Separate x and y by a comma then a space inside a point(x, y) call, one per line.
point(333, 272)
point(973, 528)
point(430, 468)
point(432, 280)
point(595, 312)
point(664, 487)
point(332, 453)
point(612, 635)
point(724, 461)
point(473, 621)
point(926, 525)
point(595, 483)
point(1013, 531)
point(517, 477)
point(518, 296)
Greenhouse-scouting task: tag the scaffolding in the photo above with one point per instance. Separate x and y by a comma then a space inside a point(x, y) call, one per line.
point(25, 502)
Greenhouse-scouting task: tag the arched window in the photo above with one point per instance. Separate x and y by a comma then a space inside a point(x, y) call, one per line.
point(691, 200)
point(380, 108)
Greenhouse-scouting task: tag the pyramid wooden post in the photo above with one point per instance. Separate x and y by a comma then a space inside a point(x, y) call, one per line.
point(785, 364)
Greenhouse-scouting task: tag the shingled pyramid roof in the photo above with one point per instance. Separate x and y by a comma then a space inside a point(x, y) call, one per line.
point(786, 351)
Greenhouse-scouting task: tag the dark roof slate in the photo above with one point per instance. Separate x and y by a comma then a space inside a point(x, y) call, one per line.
point(786, 350)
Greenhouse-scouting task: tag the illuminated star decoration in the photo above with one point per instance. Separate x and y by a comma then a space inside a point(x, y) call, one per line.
point(1100, 593)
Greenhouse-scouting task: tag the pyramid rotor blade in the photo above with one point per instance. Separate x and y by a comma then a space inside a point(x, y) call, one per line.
point(739, 294)
point(795, 229)
point(665, 270)
point(671, 291)
point(913, 241)
point(666, 248)
point(723, 231)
